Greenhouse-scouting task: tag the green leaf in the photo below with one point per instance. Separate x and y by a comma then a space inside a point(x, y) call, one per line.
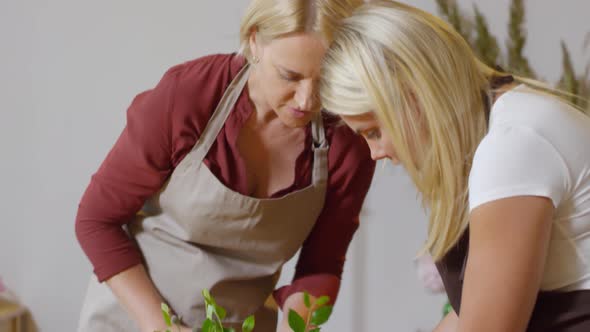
point(447, 308)
point(296, 323)
point(207, 324)
point(321, 315)
point(166, 314)
point(248, 324)
point(322, 300)
point(229, 329)
point(207, 296)
point(317, 329)
point(306, 300)
point(220, 311)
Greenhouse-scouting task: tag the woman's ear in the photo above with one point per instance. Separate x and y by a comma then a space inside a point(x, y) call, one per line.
point(255, 47)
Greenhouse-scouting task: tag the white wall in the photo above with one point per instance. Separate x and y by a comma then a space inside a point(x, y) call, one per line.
point(68, 70)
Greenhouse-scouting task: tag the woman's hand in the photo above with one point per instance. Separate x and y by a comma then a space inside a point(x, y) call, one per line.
point(294, 302)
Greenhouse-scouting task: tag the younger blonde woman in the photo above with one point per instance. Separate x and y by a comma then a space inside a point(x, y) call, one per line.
point(503, 167)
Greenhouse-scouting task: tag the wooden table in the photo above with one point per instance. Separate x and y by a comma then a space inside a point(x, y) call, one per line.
point(11, 315)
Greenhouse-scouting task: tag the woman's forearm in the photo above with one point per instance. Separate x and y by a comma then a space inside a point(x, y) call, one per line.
point(137, 294)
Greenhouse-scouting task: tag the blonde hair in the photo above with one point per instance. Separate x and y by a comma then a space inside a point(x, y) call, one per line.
point(271, 19)
point(427, 89)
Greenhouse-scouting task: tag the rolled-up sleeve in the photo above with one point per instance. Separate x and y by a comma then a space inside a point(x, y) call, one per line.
point(135, 168)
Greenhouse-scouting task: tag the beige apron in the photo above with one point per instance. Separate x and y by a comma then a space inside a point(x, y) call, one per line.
point(196, 233)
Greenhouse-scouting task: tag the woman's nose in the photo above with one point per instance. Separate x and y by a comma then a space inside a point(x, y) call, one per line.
point(304, 96)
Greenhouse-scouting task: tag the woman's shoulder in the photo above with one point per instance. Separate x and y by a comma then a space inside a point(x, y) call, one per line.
point(524, 111)
point(207, 75)
point(197, 88)
point(525, 106)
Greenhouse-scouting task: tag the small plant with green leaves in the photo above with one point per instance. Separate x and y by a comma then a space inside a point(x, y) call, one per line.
point(215, 315)
point(169, 318)
point(319, 313)
point(213, 322)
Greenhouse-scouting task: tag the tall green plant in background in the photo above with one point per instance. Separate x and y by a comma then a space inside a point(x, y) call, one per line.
point(569, 81)
point(484, 43)
point(451, 11)
point(474, 28)
point(577, 84)
point(516, 60)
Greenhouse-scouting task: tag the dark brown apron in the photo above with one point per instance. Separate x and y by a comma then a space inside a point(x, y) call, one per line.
point(553, 312)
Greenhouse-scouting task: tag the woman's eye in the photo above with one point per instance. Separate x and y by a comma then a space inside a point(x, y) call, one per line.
point(288, 78)
point(373, 134)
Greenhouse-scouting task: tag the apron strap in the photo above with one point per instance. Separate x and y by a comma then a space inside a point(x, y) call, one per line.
point(320, 147)
point(221, 113)
point(318, 131)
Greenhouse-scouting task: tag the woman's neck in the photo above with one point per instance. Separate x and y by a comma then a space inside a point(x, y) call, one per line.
point(262, 111)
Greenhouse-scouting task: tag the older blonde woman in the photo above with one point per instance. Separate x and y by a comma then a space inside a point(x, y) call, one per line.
point(503, 166)
point(224, 170)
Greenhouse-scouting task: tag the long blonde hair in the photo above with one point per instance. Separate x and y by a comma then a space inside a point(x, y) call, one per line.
point(425, 85)
point(271, 19)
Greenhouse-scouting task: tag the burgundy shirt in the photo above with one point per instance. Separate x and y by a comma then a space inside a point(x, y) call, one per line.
point(164, 123)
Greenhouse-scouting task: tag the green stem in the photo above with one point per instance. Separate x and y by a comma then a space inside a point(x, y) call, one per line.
point(309, 312)
point(218, 320)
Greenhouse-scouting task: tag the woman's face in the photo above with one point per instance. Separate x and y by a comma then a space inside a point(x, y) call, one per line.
point(367, 126)
point(287, 76)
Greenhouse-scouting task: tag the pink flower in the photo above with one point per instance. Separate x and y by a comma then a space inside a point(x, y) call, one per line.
point(428, 274)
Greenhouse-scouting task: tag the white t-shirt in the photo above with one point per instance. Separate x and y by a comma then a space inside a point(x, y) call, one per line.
point(538, 145)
